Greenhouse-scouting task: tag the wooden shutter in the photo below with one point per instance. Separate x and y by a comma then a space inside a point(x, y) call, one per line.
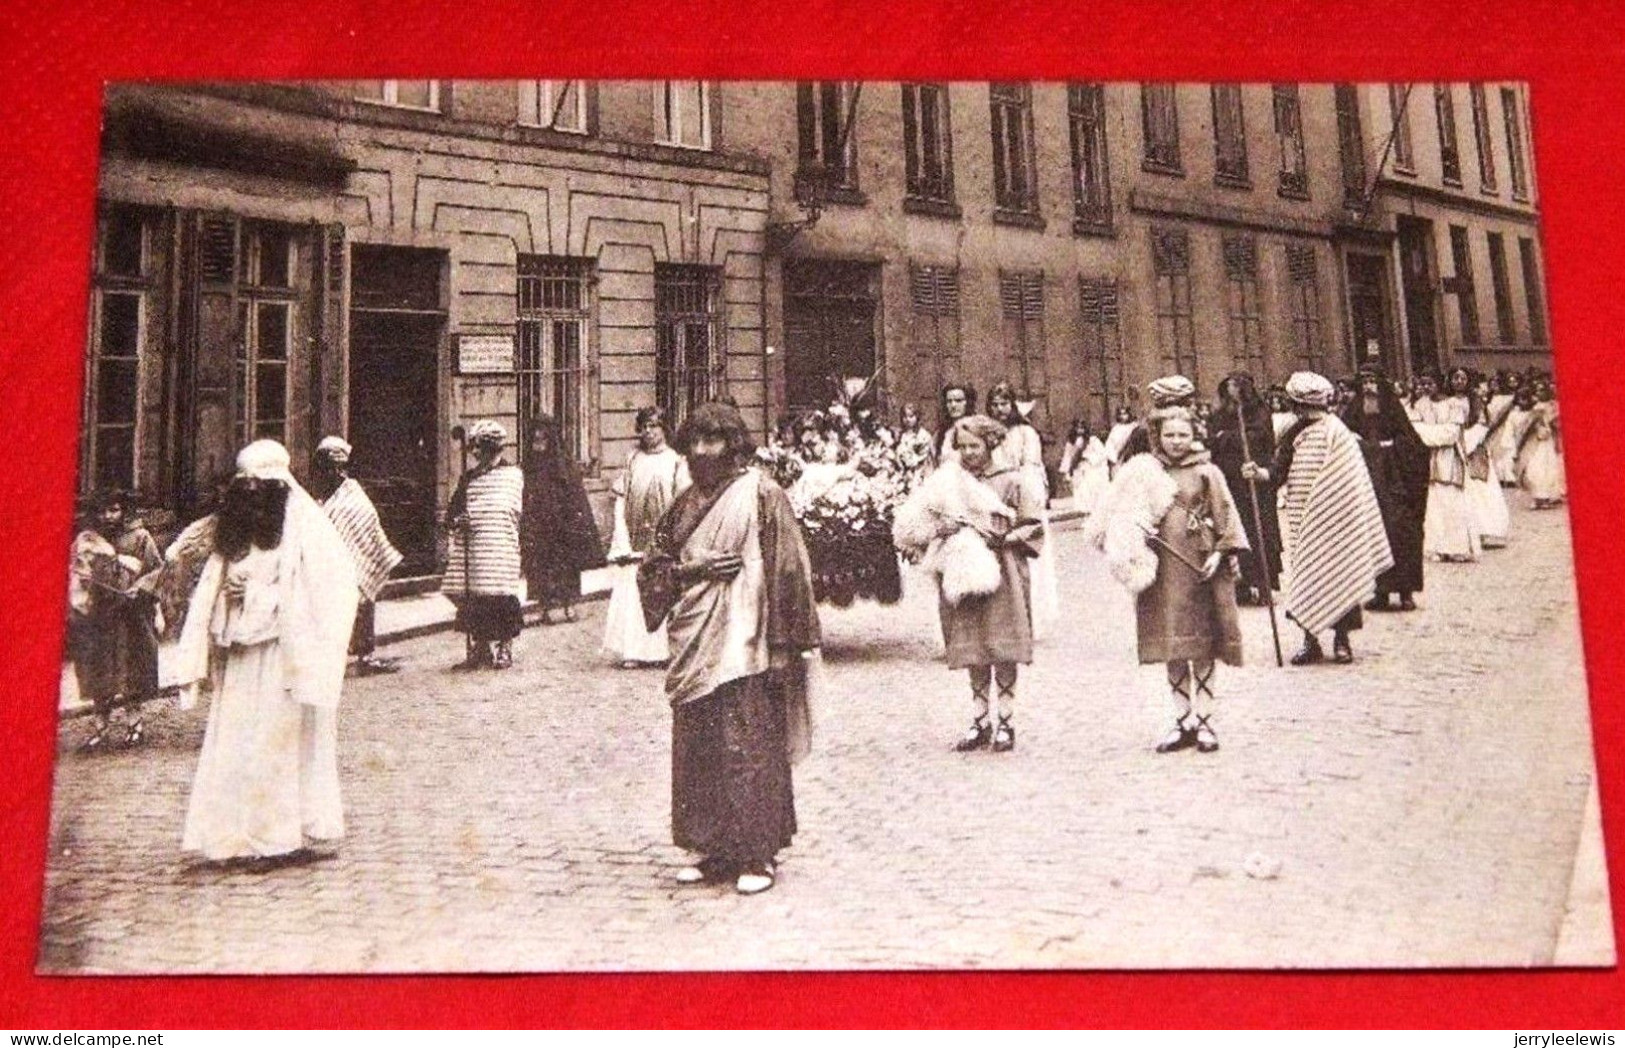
point(211, 248)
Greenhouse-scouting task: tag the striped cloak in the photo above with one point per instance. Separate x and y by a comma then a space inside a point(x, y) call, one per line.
point(494, 499)
point(1333, 526)
point(356, 521)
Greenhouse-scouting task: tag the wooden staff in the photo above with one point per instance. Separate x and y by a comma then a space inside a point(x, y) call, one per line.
point(1258, 529)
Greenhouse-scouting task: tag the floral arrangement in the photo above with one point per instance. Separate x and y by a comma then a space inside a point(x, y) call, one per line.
point(780, 463)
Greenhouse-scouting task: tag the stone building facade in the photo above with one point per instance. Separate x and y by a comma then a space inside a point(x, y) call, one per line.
point(393, 260)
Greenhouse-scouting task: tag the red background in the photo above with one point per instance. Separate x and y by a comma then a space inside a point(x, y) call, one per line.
point(53, 60)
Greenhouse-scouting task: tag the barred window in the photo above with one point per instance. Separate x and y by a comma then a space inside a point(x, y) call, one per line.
point(928, 143)
point(1515, 158)
point(1308, 331)
point(1461, 259)
point(1176, 332)
point(1501, 283)
point(934, 325)
point(1482, 139)
point(1101, 350)
point(1532, 291)
point(558, 104)
point(1294, 173)
point(1091, 169)
point(1229, 136)
point(1399, 110)
point(1015, 184)
point(1246, 317)
point(823, 138)
point(554, 364)
point(1159, 119)
point(1444, 107)
point(689, 355)
point(1021, 305)
point(1351, 145)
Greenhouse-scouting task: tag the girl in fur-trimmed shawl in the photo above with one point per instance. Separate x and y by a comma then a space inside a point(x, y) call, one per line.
point(1169, 528)
point(978, 526)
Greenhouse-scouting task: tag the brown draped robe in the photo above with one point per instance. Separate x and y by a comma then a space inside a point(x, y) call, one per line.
point(732, 797)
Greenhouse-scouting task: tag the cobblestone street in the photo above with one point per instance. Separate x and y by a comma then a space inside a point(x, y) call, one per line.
point(1424, 806)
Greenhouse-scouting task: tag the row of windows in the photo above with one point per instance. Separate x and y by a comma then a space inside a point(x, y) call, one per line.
point(1101, 367)
point(682, 108)
point(1444, 112)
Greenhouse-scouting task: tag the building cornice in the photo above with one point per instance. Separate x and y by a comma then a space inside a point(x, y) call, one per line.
point(1454, 199)
point(1162, 205)
point(308, 102)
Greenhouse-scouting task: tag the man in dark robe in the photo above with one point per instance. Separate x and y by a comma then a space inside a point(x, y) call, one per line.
point(558, 535)
point(729, 573)
point(1240, 405)
point(1398, 462)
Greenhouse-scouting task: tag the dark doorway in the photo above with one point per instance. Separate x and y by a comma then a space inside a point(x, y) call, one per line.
point(1417, 273)
point(829, 328)
point(1370, 317)
point(396, 321)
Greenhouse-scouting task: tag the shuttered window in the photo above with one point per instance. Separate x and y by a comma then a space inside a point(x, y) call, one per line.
point(1515, 156)
point(1091, 168)
point(1243, 309)
point(1501, 284)
point(1176, 334)
point(1015, 182)
point(824, 142)
point(1399, 111)
point(1532, 291)
point(934, 326)
point(1021, 306)
point(1101, 362)
point(1308, 328)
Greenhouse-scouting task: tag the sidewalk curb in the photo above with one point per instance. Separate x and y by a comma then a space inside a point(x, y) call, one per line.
point(531, 608)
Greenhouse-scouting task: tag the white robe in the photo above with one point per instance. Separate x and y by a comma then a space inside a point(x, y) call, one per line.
point(1089, 471)
point(1485, 499)
point(270, 633)
point(649, 484)
point(1447, 528)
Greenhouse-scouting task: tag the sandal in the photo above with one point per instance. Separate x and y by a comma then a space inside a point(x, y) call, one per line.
point(979, 735)
point(1004, 739)
point(1342, 654)
point(1206, 741)
point(1179, 737)
point(707, 871)
point(1310, 653)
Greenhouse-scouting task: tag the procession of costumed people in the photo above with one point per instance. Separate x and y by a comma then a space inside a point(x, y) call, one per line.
point(720, 552)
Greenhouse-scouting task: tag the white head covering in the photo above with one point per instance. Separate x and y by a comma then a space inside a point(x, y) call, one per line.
point(1166, 390)
point(1310, 389)
point(317, 593)
point(485, 431)
point(336, 448)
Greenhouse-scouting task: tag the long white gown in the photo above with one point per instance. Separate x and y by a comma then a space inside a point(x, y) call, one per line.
point(1089, 471)
point(1447, 529)
point(267, 778)
point(643, 492)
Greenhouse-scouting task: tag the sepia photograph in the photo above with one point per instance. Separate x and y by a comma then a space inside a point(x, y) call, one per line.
point(594, 526)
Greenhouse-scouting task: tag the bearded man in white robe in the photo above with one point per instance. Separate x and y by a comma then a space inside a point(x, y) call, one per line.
point(268, 628)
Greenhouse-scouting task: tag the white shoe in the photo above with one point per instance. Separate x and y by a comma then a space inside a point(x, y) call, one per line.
point(753, 883)
point(690, 875)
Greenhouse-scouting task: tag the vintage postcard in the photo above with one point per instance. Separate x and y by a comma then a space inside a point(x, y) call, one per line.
point(560, 525)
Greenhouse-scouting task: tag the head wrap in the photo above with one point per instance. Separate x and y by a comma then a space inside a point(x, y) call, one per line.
point(1310, 389)
point(335, 448)
point(264, 460)
point(988, 430)
point(488, 433)
point(1170, 389)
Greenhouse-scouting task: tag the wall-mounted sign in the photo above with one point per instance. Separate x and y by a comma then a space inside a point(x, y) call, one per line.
point(485, 354)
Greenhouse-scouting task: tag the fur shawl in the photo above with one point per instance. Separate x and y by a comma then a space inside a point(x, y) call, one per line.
point(961, 559)
point(1141, 494)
